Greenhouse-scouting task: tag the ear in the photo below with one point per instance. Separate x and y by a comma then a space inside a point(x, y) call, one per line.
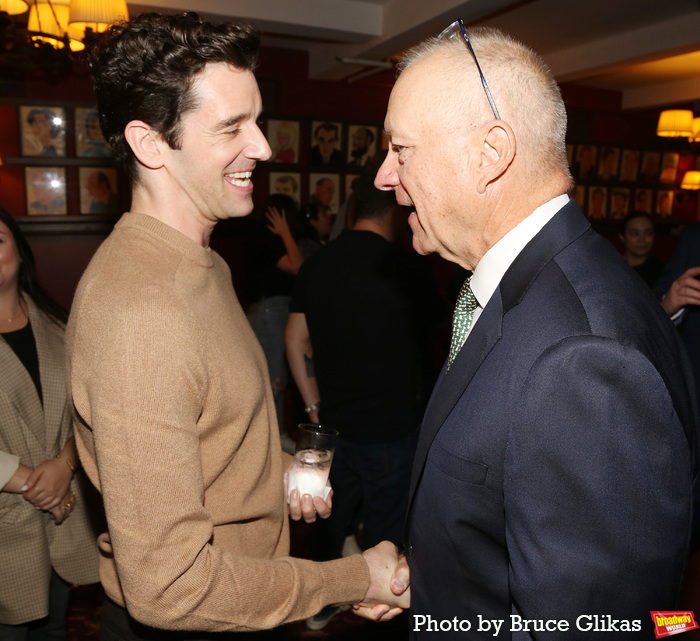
point(497, 153)
point(146, 143)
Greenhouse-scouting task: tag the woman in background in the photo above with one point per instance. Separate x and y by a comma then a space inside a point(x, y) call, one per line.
point(275, 259)
point(637, 235)
point(46, 541)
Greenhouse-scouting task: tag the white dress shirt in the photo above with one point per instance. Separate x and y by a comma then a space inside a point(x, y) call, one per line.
point(496, 261)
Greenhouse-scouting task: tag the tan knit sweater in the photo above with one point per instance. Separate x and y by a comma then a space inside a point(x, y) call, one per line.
point(176, 427)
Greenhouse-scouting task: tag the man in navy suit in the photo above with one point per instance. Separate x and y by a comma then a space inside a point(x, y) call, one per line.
point(552, 490)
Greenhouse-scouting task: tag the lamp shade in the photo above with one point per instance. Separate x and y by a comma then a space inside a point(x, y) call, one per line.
point(97, 14)
point(696, 130)
point(48, 22)
point(13, 7)
point(691, 180)
point(675, 123)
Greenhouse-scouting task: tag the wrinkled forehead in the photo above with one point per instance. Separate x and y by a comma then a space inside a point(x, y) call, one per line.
point(424, 92)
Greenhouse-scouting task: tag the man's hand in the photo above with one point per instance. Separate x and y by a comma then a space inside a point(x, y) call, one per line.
point(389, 593)
point(48, 484)
point(307, 507)
point(684, 291)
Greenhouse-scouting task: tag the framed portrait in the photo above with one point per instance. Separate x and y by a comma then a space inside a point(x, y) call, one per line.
point(89, 141)
point(649, 171)
point(351, 181)
point(43, 131)
point(98, 190)
point(283, 136)
point(284, 182)
point(629, 165)
point(585, 162)
point(597, 197)
point(608, 162)
point(46, 190)
point(580, 196)
point(664, 203)
point(669, 168)
point(326, 139)
point(619, 203)
point(362, 144)
point(643, 200)
point(325, 189)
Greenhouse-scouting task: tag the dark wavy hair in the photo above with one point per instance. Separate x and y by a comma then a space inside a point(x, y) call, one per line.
point(631, 216)
point(144, 70)
point(27, 281)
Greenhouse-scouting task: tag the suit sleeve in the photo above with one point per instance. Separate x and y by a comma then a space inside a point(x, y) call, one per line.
point(597, 488)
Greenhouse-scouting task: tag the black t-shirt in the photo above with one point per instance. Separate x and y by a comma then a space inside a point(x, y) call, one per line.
point(265, 278)
point(365, 302)
point(24, 346)
point(649, 270)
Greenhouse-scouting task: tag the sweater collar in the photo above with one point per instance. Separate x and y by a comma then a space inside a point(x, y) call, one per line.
point(186, 246)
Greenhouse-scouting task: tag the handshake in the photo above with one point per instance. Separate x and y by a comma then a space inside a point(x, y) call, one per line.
point(389, 593)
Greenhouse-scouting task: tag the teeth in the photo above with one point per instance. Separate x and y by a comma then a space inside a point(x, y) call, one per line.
point(240, 178)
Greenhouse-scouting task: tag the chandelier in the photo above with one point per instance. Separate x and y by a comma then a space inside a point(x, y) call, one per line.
point(54, 30)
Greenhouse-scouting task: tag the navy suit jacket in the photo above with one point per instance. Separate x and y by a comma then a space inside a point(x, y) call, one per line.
point(554, 474)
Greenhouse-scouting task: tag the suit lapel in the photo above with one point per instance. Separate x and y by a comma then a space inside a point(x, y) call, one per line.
point(451, 384)
point(567, 225)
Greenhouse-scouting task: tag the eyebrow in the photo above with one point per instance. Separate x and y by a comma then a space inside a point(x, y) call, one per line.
point(229, 122)
point(235, 120)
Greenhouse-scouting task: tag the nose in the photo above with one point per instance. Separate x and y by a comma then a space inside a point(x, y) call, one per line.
point(387, 178)
point(258, 147)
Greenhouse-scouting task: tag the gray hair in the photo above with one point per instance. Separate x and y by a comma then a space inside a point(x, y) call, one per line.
point(525, 92)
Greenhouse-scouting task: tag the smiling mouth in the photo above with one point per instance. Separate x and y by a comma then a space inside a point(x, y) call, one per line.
point(239, 178)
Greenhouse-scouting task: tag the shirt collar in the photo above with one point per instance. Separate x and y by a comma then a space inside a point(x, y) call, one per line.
point(496, 261)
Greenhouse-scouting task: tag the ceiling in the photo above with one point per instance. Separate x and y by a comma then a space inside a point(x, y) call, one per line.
point(647, 49)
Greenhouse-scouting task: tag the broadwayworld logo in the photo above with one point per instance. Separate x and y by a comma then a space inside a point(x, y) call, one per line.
point(669, 623)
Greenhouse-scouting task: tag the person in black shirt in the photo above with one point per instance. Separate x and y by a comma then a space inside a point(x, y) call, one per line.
point(637, 234)
point(49, 542)
point(275, 258)
point(358, 316)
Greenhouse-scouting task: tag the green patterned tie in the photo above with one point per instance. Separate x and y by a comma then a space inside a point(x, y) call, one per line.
point(462, 320)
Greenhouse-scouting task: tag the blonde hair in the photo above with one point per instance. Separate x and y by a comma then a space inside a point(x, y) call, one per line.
point(288, 129)
point(524, 90)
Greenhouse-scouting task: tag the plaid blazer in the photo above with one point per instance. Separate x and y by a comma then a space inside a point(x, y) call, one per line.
point(30, 543)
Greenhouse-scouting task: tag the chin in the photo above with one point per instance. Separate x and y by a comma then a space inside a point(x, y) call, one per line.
point(418, 247)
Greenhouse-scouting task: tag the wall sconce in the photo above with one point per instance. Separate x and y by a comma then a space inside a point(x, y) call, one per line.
point(675, 123)
point(48, 23)
point(97, 15)
point(13, 7)
point(696, 131)
point(691, 180)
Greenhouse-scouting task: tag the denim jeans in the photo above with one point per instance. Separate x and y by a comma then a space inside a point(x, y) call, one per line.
point(370, 486)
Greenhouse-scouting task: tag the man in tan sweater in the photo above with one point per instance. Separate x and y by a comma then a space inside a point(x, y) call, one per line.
point(175, 416)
